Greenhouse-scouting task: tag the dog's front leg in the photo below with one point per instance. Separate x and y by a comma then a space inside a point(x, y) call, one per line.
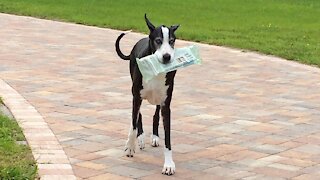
point(131, 142)
point(169, 166)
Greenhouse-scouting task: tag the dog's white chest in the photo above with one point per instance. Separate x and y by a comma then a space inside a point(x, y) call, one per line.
point(155, 91)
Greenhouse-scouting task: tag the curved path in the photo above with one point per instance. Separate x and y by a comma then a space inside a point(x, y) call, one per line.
point(240, 115)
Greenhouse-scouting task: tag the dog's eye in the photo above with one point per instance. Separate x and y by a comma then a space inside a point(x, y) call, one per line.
point(171, 41)
point(158, 41)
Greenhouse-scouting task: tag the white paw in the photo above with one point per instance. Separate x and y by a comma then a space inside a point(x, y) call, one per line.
point(141, 141)
point(155, 140)
point(169, 168)
point(130, 148)
point(131, 143)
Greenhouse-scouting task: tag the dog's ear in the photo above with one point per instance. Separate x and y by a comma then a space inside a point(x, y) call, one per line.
point(174, 27)
point(150, 25)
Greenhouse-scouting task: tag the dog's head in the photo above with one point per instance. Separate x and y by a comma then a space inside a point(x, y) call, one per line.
point(162, 41)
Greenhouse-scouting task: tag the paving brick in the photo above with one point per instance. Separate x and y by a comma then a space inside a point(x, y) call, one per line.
point(253, 162)
point(252, 134)
point(236, 166)
point(264, 127)
point(242, 155)
point(246, 122)
point(284, 167)
point(309, 139)
point(272, 158)
point(108, 176)
point(242, 174)
point(290, 144)
point(185, 148)
point(73, 142)
point(88, 156)
point(74, 161)
point(58, 177)
point(158, 176)
point(90, 146)
point(311, 169)
point(269, 149)
point(227, 128)
point(199, 164)
point(74, 152)
point(262, 177)
point(273, 140)
point(297, 162)
point(144, 166)
point(91, 165)
point(83, 172)
point(129, 171)
point(54, 169)
point(110, 161)
point(210, 176)
point(294, 154)
point(98, 138)
point(308, 148)
point(307, 177)
point(275, 172)
point(221, 171)
point(111, 152)
point(228, 172)
point(225, 149)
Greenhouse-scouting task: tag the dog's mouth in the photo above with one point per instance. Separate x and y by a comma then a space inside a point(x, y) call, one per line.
point(165, 58)
point(165, 61)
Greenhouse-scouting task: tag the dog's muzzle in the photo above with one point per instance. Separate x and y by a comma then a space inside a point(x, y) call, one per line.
point(166, 58)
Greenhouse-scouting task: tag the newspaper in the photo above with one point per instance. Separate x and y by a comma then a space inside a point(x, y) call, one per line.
point(150, 66)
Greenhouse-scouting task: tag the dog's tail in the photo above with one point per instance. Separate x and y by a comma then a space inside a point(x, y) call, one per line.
point(120, 54)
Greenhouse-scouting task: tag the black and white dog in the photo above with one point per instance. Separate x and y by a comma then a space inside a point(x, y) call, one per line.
point(157, 91)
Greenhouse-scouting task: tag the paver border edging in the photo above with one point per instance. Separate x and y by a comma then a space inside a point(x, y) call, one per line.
point(51, 159)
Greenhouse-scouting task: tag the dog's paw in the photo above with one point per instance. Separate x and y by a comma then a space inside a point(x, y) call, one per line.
point(155, 140)
point(130, 149)
point(141, 141)
point(169, 168)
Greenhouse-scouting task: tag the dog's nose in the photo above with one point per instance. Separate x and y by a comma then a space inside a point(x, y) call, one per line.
point(166, 58)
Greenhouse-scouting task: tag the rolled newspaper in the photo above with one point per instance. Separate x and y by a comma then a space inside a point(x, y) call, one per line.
point(150, 66)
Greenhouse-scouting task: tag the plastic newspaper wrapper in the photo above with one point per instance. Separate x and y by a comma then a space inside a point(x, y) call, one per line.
point(150, 66)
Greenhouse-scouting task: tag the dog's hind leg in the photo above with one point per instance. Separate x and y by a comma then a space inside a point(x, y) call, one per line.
point(140, 134)
point(155, 135)
point(131, 142)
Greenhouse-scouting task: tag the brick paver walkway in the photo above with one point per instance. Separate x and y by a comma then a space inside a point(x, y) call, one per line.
point(239, 115)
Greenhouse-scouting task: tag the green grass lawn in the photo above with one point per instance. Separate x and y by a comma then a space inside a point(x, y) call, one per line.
point(16, 160)
point(285, 28)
